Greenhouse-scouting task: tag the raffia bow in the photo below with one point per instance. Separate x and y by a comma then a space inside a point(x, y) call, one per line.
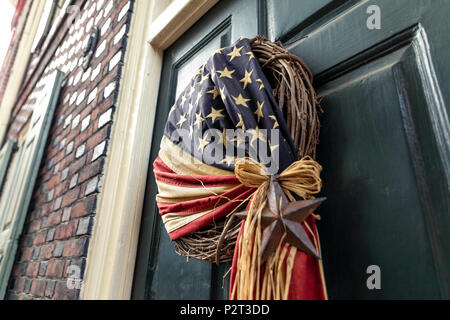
point(302, 178)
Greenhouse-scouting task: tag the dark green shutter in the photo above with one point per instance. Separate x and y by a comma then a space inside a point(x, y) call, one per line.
point(5, 157)
point(19, 193)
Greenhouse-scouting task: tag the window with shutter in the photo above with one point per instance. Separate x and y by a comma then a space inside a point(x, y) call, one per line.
point(19, 192)
point(52, 15)
point(44, 25)
point(5, 156)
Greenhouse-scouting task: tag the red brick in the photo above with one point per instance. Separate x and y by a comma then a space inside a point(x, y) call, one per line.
point(70, 197)
point(62, 292)
point(81, 138)
point(32, 269)
point(77, 165)
point(91, 170)
point(75, 248)
point(94, 115)
point(46, 209)
point(68, 161)
point(60, 155)
point(19, 285)
point(47, 251)
point(40, 237)
point(34, 226)
point(72, 274)
point(106, 103)
point(26, 254)
point(38, 288)
point(74, 133)
point(55, 268)
point(38, 202)
point(53, 181)
point(17, 269)
point(84, 207)
point(63, 134)
point(53, 150)
point(65, 231)
point(118, 46)
point(12, 296)
point(87, 111)
point(54, 219)
point(47, 176)
point(61, 188)
point(37, 192)
point(99, 137)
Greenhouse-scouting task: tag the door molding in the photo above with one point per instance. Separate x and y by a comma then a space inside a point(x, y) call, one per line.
point(113, 245)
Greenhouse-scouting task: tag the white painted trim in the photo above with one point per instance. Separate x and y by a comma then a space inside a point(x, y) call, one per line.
point(175, 20)
point(20, 65)
point(112, 251)
point(56, 25)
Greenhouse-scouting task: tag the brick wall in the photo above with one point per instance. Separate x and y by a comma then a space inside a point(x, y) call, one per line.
point(55, 240)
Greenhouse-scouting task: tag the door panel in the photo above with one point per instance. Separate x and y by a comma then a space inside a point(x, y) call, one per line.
point(374, 215)
point(384, 142)
point(294, 19)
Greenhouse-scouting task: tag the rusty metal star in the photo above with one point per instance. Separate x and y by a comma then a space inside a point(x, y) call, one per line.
point(280, 217)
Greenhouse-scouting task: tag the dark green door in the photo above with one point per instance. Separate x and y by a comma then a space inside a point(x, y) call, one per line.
point(384, 142)
point(160, 272)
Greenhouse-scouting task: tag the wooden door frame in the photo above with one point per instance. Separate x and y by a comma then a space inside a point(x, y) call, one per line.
point(112, 252)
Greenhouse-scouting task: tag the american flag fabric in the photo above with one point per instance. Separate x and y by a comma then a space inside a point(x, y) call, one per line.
point(226, 111)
